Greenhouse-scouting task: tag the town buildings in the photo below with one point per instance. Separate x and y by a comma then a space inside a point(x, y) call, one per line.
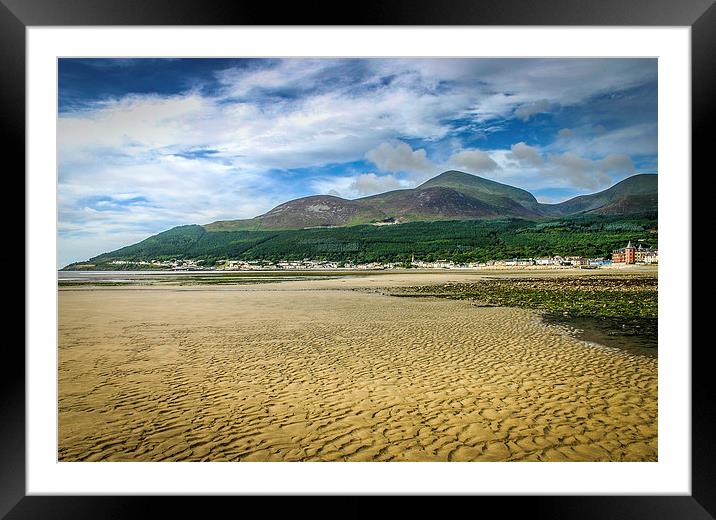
point(630, 254)
point(645, 255)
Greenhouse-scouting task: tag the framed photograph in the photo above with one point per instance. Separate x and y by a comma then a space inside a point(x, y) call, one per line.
point(423, 251)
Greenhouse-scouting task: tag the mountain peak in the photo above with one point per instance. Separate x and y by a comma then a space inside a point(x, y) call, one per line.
point(486, 190)
point(453, 176)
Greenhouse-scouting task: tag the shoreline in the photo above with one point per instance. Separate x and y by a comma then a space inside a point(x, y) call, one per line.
point(77, 278)
point(649, 267)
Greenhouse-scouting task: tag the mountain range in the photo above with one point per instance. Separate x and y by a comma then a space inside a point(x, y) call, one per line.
point(454, 215)
point(452, 195)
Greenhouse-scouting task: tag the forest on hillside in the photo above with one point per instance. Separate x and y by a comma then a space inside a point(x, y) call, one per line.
point(458, 241)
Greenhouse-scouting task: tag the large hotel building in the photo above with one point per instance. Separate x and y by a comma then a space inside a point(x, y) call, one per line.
point(633, 255)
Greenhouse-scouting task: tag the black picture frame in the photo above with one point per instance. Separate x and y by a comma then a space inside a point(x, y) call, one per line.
point(17, 15)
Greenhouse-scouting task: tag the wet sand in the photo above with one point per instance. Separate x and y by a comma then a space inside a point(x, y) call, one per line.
point(322, 370)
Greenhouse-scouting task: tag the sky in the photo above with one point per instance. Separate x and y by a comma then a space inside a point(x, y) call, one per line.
point(148, 144)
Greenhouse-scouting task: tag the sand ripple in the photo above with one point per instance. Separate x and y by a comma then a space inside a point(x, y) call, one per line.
point(262, 375)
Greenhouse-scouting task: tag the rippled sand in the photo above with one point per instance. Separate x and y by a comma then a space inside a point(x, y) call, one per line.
point(304, 371)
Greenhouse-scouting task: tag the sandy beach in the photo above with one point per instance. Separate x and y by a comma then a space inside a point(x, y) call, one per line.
point(332, 370)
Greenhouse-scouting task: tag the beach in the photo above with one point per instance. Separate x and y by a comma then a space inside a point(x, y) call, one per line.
point(335, 369)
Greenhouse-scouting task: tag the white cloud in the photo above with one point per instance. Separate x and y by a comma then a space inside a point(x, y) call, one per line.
point(360, 185)
point(597, 141)
point(527, 110)
point(474, 161)
point(576, 171)
point(510, 84)
point(131, 125)
point(400, 157)
point(533, 168)
point(619, 164)
point(171, 190)
point(579, 172)
point(525, 154)
point(370, 183)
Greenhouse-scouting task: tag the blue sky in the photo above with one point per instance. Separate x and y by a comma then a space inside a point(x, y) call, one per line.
point(148, 144)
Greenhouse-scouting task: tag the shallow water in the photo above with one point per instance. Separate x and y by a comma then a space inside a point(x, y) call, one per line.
point(635, 335)
point(80, 278)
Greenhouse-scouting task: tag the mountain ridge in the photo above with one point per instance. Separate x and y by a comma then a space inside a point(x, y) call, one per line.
point(451, 195)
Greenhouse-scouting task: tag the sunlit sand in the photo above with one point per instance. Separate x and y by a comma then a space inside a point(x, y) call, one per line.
point(324, 370)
